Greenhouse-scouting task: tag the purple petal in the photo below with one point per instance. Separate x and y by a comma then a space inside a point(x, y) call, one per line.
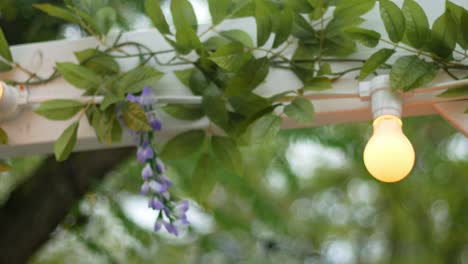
point(179, 211)
point(156, 125)
point(158, 205)
point(132, 98)
point(151, 202)
point(160, 166)
point(166, 181)
point(171, 228)
point(155, 204)
point(144, 188)
point(144, 154)
point(147, 172)
point(141, 155)
point(158, 225)
point(181, 222)
point(146, 92)
point(182, 206)
point(166, 211)
point(148, 152)
point(183, 218)
point(163, 188)
point(156, 187)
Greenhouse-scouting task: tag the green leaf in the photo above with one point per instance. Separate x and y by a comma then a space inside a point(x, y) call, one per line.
point(182, 112)
point(218, 10)
point(3, 137)
point(460, 16)
point(109, 100)
point(4, 166)
point(353, 7)
point(325, 69)
point(66, 142)
point(299, 6)
point(338, 24)
point(230, 57)
point(466, 111)
point(214, 106)
point(204, 178)
point(264, 128)
point(98, 61)
point(107, 126)
point(264, 24)
point(187, 40)
point(58, 12)
point(249, 77)
point(319, 9)
point(455, 92)
point(226, 151)
point(411, 72)
point(284, 29)
point(318, 84)
point(185, 22)
point(4, 48)
point(198, 83)
point(183, 145)
point(4, 67)
point(249, 104)
point(239, 36)
point(135, 117)
point(241, 8)
point(215, 43)
point(303, 61)
point(300, 110)
point(105, 19)
point(87, 22)
point(184, 76)
point(79, 76)
point(183, 15)
point(366, 37)
point(444, 35)
point(456, 10)
point(417, 26)
point(463, 31)
point(339, 45)
point(135, 80)
point(394, 20)
point(302, 29)
point(154, 12)
point(59, 109)
point(374, 62)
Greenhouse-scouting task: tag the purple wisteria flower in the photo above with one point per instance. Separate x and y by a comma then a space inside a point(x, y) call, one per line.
point(156, 185)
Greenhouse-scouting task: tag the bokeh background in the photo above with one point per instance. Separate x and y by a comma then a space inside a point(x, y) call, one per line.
point(305, 197)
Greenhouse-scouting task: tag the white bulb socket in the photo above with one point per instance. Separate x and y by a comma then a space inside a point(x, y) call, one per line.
point(9, 101)
point(383, 100)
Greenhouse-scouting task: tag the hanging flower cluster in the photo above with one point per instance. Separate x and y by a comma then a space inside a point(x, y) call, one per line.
point(156, 185)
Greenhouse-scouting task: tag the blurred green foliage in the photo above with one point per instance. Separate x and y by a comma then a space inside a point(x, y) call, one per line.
point(325, 210)
point(275, 211)
point(23, 23)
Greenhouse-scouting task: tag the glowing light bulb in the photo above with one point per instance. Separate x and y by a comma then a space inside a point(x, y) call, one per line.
point(1, 91)
point(389, 155)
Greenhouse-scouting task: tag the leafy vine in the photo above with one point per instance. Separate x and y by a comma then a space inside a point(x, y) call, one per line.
point(229, 66)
